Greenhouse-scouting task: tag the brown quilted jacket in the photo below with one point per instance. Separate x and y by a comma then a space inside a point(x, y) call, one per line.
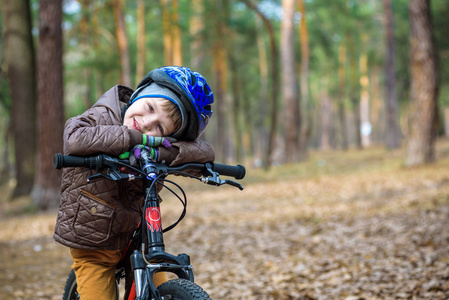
point(103, 214)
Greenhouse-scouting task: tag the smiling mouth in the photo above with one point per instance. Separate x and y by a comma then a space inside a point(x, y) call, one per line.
point(136, 125)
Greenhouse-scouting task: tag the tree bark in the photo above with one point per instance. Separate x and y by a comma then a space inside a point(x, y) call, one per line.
point(304, 80)
point(262, 136)
point(446, 122)
point(141, 41)
point(196, 28)
point(239, 120)
point(274, 57)
point(46, 189)
point(122, 42)
point(21, 70)
point(7, 170)
point(365, 121)
point(176, 30)
point(354, 86)
point(341, 97)
point(423, 86)
point(326, 121)
point(237, 107)
point(392, 135)
point(220, 70)
point(289, 83)
point(166, 25)
point(85, 36)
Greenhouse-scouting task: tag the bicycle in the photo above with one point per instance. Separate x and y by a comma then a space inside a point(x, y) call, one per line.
point(146, 250)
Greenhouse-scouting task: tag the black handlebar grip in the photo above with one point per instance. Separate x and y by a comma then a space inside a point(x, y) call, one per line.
point(63, 161)
point(238, 172)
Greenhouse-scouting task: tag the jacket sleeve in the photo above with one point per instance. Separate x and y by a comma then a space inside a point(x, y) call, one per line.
point(95, 132)
point(184, 152)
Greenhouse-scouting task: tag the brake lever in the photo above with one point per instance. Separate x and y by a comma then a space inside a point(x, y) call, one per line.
point(98, 176)
point(234, 184)
point(113, 175)
point(215, 180)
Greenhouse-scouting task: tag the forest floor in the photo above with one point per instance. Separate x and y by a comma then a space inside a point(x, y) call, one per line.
point(343, 225)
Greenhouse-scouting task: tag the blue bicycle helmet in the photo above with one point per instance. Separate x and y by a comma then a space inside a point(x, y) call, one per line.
point(194, 97)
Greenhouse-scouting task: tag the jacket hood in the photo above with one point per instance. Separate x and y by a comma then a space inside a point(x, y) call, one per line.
point(114, 99)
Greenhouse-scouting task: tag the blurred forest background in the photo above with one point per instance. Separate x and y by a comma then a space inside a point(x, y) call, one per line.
point(289, 76)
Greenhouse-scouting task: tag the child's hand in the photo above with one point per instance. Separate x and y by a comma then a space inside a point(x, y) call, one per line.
point(155, 141)
point(135, 154)
point(149, 142)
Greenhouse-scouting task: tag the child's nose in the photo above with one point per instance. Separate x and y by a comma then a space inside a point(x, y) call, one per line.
point(148, 122)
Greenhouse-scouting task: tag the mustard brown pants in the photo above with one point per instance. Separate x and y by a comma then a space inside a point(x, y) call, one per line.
point(95, 273)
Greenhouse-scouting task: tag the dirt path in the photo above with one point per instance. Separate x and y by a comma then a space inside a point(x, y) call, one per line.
point(32, 265)
point(358, 234)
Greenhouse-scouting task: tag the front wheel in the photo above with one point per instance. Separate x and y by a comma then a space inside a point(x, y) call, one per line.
point(181, 289)
point(70, 292)
point(70, 289)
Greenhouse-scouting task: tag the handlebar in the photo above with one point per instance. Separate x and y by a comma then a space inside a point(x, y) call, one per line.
point(64, 161)
point(238, 172)
point(102, 161)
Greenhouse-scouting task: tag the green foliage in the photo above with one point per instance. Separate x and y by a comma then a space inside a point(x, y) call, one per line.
point(440, 10)
point(5, 99)
point(92, 60)
point(402, 31)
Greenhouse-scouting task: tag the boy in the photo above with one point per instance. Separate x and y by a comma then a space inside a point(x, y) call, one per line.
point(96, 220)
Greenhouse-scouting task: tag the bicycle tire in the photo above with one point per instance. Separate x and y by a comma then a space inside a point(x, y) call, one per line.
point(70, 288)
point(70, 292)
point(182, 289)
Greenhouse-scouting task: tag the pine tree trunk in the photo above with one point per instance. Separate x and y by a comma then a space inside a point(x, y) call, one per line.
point(262, 136)
point(357, 122)
point(354, 86)
point(196, 28)
point(341, 97)
point(365, 121)
point(289, 83)
point(326, 121)
point(219, 93)
point(274, 57)
point(166, 25)
point(377, 106)
point(392, 135)
point(141, 41)
point(122, 42)
point(423, 86)
point(446, 122)
point(20, 65)
point(304, 38)
point(46, 189)
point(237, 109)
point(6, 169)
point(177, 45)
point(85, 48)
point(220, 69)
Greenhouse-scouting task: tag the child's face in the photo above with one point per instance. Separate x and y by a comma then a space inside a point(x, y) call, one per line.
point(147, 116)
